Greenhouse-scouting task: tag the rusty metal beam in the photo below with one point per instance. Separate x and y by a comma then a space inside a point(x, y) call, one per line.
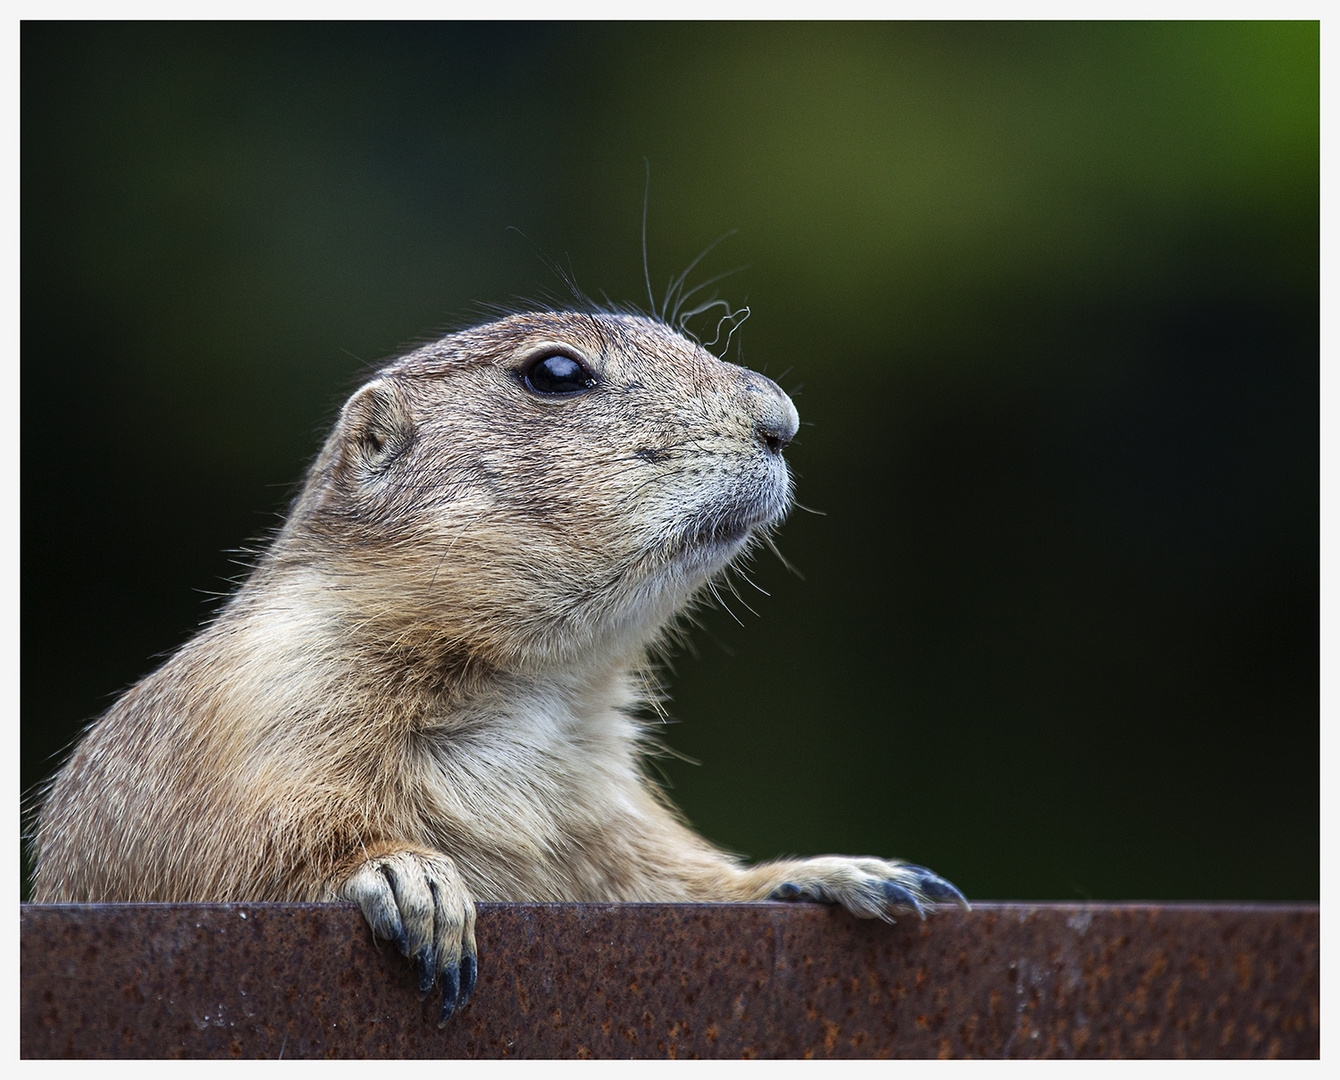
point(678, 980)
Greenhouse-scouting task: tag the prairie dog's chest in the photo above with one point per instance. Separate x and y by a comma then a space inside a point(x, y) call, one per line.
point(541, 764)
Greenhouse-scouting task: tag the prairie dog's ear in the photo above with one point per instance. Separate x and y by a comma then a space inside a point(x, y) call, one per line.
point(375, 427)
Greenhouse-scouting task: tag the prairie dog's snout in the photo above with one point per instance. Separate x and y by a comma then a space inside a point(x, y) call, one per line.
point(776, 419)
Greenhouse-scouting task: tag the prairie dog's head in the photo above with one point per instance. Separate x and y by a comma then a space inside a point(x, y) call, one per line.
point(543, 486)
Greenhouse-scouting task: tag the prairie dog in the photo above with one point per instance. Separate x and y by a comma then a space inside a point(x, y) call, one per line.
point(425, 693)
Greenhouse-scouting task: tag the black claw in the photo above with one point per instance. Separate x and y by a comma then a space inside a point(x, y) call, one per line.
point(897, 895)
point(402, 942)
point(425, 965)
point(937, 888)
point(788, 890)
point(451, 988)
point(469, 975)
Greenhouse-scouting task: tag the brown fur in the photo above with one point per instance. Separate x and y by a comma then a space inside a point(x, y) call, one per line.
point(425, 693)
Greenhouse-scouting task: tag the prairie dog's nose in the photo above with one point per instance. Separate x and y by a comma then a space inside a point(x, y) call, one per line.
point(775, 419)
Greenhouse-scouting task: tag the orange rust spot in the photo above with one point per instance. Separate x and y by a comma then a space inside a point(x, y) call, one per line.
point(1170, 998)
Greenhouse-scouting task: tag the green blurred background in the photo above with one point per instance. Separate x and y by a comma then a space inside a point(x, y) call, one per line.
point(1046, 296)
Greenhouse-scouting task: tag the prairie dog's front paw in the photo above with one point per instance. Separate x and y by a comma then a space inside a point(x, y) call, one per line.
point(869, 888)
point(417, 900)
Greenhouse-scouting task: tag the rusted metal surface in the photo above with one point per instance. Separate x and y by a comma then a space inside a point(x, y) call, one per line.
point(678, 980)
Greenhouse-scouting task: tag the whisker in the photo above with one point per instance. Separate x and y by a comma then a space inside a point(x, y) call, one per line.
point(712, 588)
point(734, 326)
point(745, 577)
point(706, 305)
point(772, 546)
point(678, 283)
point(646, 271)
point(683, 299)
point(736, 593)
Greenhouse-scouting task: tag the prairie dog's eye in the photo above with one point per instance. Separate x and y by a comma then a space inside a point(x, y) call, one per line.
point(557, 374)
